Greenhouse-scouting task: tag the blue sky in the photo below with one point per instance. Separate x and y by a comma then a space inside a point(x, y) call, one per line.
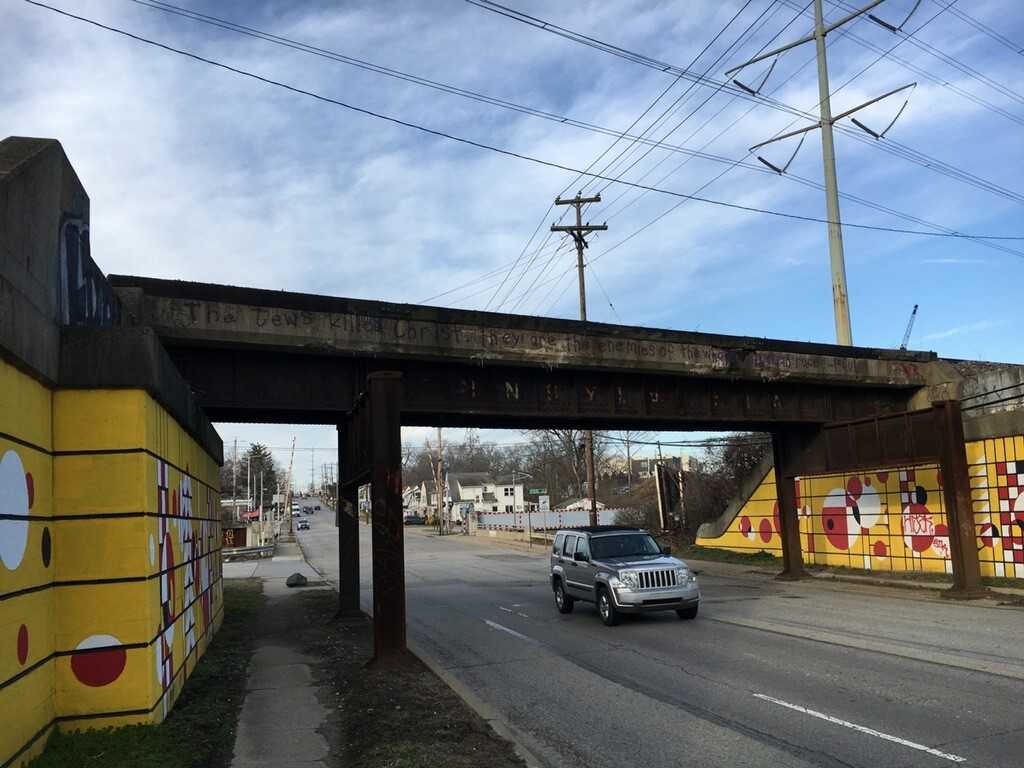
point(197, 173)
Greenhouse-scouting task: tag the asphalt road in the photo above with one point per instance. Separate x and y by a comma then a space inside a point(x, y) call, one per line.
point(770, 674)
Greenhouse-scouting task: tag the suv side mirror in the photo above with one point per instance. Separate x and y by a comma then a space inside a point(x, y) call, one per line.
point(666, 549)
point(581, 557)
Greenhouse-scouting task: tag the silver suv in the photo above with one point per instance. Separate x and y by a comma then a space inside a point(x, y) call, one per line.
point(622, 570)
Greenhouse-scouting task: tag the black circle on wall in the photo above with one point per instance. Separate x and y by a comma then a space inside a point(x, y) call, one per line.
point(920, 495)
point(46, 547)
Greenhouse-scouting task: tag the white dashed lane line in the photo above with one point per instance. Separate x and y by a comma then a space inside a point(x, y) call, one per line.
point(496, 625)
point(861, 729)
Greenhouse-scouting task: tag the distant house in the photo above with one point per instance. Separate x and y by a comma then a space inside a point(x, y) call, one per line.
point(644, 468)
point(478, 492)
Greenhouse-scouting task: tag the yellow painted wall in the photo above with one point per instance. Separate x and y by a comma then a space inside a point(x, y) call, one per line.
point(128, 593)
point(27, 565)
point(894, 520)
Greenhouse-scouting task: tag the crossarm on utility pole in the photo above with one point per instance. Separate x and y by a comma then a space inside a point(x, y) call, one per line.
point(806, 38)
point(584, 228)
point(577, 200)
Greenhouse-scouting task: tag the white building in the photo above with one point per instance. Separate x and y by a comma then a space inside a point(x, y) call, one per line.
point(579, 504)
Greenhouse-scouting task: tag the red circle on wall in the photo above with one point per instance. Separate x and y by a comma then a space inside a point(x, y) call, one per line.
point(98, 668)
point(766, 530)
point(745, 525)
point(22, 644)
point(30, 486)
point(880, 549)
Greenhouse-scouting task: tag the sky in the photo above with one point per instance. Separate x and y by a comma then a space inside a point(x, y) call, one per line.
point(198, 173)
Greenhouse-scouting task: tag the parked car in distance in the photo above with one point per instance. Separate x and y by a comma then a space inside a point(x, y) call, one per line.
point(316, 507)
point(622, 570)
point(415, 520)
point(302, 525)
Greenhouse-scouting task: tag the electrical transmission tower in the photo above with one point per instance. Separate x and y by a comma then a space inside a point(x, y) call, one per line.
point(826, 121)
point(579, 232)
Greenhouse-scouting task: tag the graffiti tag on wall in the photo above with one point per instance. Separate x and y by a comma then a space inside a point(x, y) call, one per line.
point(86, 297)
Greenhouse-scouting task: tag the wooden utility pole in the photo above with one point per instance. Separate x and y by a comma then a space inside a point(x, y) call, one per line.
point(578, 232)
point(438, 481)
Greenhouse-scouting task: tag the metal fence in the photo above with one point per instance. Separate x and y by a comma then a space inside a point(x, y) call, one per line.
point(544, 521)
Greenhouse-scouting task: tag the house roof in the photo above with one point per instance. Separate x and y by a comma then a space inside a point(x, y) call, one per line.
point(469, 478)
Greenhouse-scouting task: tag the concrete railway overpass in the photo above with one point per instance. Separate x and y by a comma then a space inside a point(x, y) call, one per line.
point(110, 386)
point(371, 367)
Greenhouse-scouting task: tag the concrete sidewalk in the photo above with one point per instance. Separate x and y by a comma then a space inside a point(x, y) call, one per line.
point(282, 720)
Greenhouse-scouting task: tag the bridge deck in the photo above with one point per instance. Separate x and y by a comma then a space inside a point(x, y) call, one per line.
point(185, 313)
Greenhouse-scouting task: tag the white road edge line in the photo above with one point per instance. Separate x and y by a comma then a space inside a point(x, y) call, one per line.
point(862, 729)
point(503, 608)
point(496, 625)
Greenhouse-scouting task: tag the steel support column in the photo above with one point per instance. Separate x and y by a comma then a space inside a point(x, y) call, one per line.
point(956, 497)
point(385, 426)
point(785, 451)
point(348, 523)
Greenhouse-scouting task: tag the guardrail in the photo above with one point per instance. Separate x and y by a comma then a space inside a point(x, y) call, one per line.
point(247, 553)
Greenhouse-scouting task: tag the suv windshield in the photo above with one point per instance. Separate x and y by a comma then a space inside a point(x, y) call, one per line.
point(624, 545)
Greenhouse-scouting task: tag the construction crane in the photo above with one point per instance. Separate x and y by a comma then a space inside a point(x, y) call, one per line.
point(910, 327)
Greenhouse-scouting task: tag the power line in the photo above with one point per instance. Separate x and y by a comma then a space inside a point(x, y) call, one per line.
point(500, 150)
point(889, 146)
point(794, 177)
point(941, 81)
point(952, 61)
point(985, 29)
point(641, 137)
point(692, 85)
point(501, 103)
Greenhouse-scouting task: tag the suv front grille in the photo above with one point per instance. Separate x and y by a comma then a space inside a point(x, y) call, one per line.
point(657, 579)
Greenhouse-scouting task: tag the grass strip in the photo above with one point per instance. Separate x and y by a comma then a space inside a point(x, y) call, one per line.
point(200, 731)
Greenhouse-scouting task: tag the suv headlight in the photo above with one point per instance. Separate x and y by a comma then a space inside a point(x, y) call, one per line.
point(685, 576)
point(629, 579)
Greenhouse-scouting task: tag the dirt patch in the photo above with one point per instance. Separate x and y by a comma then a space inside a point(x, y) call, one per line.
point(391, 718)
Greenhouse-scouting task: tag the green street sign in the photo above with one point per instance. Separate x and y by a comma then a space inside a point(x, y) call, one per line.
point(536, 491)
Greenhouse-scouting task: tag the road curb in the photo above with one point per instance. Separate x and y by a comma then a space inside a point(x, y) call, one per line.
point(486, 712)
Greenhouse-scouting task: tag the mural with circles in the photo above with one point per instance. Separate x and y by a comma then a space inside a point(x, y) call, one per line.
point(186, 554)
point(894, 520)
point(110, 584)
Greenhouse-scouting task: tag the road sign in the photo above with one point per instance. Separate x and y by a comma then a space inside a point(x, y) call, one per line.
point(536, 491)
point(544, 504)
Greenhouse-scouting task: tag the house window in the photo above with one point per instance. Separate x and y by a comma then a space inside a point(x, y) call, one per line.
point(509, 492)
point(494, 508)
point(509, 508)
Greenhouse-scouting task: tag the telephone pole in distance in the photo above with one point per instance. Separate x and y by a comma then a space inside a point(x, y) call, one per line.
point(578, 233)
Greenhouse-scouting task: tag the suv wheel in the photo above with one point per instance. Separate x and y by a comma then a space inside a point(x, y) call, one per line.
point(563, 602)
point(687, 613)
point(606, 608)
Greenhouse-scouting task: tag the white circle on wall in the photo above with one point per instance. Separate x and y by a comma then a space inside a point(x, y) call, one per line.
point(152, 551)
point(869, 507)
point(13, 502)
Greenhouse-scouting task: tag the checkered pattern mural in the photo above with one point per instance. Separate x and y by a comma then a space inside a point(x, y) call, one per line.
point(997, 492)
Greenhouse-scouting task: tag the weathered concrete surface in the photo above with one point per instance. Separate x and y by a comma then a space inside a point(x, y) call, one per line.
point(47, 276)
point(134, 358)
point(36, 184)
point(222, 315)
